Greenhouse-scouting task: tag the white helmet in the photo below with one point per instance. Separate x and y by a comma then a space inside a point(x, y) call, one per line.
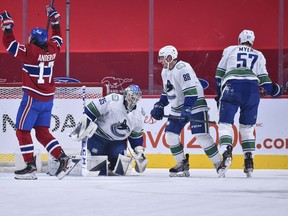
point(166, 51)
point(246, 36)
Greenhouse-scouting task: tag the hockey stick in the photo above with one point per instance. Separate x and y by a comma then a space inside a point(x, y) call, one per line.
point(48, 21)
point(84, 168)
point(193, 120)
point(84, 151)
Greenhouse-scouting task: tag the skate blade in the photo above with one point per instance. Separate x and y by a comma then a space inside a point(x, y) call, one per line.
point(248, 173)
point(65, 172)
point(221, 172)
point(30, 176)
point(180, 174)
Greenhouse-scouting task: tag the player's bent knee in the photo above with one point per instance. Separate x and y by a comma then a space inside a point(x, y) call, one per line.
point(43, 135)
point(24, 137)
point(225, 129)
point(172, 138)
point(246, 131)
point(205, 140)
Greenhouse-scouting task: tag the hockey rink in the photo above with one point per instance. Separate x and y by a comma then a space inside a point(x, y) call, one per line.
point(151, 193)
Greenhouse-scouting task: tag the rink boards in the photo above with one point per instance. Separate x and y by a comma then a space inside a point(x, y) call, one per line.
point(271, 134)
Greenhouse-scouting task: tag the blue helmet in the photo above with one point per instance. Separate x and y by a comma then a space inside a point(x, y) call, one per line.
point(40, 35)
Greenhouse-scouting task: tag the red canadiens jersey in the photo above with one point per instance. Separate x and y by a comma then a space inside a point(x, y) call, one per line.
point(37, 70)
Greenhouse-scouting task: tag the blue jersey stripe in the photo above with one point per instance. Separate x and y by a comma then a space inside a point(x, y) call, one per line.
point(13, 48)
point(35, 70)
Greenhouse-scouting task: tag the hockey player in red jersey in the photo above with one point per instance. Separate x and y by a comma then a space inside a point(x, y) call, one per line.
point(38, 89)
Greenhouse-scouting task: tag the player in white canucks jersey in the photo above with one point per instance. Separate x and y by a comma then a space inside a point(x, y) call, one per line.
point(183, 90)
point(240, 73)
point(111, 121)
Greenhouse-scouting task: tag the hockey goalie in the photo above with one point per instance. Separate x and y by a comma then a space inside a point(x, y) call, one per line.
point(108, 124)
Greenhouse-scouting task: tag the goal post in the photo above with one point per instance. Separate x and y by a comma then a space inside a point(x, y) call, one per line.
point(66, 112)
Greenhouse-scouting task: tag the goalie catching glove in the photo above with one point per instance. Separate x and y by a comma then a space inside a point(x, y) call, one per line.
point(84, 129)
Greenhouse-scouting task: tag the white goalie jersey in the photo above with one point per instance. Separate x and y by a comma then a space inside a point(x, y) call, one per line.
point(179, 82)
point(113, 120)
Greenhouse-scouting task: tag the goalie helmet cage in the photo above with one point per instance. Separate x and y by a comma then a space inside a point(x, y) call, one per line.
point(67, 110)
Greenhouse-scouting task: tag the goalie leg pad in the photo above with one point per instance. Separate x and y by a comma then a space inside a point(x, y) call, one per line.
point(141, 165)
point(95, 166)
point(123, 166)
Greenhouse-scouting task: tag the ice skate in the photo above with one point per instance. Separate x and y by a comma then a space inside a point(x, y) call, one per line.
point(225, 162)
point(28, 173)
point(248, 164)
point(66, 165)
point(181, 169)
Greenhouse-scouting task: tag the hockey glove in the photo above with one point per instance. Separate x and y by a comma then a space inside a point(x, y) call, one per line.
point(277, 90)
point(186, 114)
point(158, 111)
point(139, 152)
point(84, 129)
point(53, 14)
point(7, 21)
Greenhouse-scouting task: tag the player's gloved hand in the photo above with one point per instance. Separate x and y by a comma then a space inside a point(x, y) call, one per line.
point(217, 99)
point(53, 14)
point(186, 114)
point(277, 90)
point(7, 21)
point(262, 92)
point(84, 129)
point(158, 111)
point(139, 152)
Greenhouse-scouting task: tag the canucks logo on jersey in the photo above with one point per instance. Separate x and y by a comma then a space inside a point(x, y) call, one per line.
point(169, 88)
point(119, 128)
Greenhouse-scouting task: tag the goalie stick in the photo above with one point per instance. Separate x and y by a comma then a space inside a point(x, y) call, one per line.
point(84, 168)
point(48, 21)
point(193, 120)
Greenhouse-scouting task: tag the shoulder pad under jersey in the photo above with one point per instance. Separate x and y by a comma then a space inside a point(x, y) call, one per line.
point(115, 97)
point(180, 65)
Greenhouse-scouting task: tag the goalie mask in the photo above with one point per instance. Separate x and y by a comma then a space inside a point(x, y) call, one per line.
point(38, 36)
point(132, 95)
point(167, 51)
point(246, 36)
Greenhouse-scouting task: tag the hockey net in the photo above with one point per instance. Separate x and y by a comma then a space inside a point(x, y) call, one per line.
point(67, 110)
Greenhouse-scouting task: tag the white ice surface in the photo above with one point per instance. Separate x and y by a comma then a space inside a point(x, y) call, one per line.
point(151, 193)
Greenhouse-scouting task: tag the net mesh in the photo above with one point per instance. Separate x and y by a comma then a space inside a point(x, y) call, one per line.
point(67, 109)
